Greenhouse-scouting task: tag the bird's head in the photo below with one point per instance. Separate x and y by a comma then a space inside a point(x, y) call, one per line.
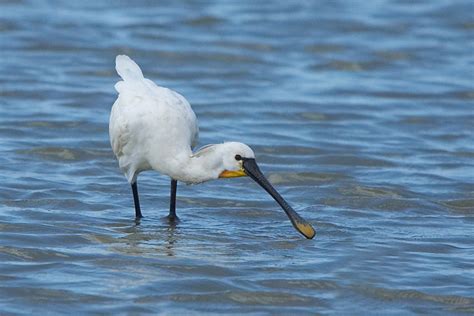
point(238, 160)
point(233, 156)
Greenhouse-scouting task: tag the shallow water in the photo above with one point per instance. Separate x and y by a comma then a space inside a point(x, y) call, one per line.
point(360, 113)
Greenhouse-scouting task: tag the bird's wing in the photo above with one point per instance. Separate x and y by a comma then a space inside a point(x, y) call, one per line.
point(191, 119)
point(136, 91)
point(196, 137)
point(119, 129)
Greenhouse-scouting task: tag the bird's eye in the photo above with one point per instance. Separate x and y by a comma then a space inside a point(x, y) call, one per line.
point(238, 157)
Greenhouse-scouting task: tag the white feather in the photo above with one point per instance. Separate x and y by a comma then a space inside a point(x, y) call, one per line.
point(127, 68)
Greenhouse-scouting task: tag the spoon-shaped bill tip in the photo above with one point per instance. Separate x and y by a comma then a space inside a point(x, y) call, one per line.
point(306, 230)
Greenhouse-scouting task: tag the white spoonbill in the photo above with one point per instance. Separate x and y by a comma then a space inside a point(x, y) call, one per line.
point(152, 127)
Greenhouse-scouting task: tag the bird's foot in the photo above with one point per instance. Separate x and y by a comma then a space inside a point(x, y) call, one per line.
point(138, 219)
point(172, 219)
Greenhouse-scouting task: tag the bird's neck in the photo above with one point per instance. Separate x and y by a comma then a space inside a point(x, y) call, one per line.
point(195, 169)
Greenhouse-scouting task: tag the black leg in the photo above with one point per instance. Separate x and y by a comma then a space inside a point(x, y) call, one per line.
point(138, 212)
point(172, 216)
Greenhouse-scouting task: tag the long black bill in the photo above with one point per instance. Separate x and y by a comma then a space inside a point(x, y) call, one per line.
point(300, 224)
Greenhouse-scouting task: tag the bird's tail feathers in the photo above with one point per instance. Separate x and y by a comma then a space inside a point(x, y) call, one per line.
point(128, 69)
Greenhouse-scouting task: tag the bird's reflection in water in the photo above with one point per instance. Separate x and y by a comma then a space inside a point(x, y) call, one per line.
point(171, 238)
point(150, 239)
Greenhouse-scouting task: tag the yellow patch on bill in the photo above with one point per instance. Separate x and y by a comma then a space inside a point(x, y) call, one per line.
point(307, 230)
point(232, 174)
